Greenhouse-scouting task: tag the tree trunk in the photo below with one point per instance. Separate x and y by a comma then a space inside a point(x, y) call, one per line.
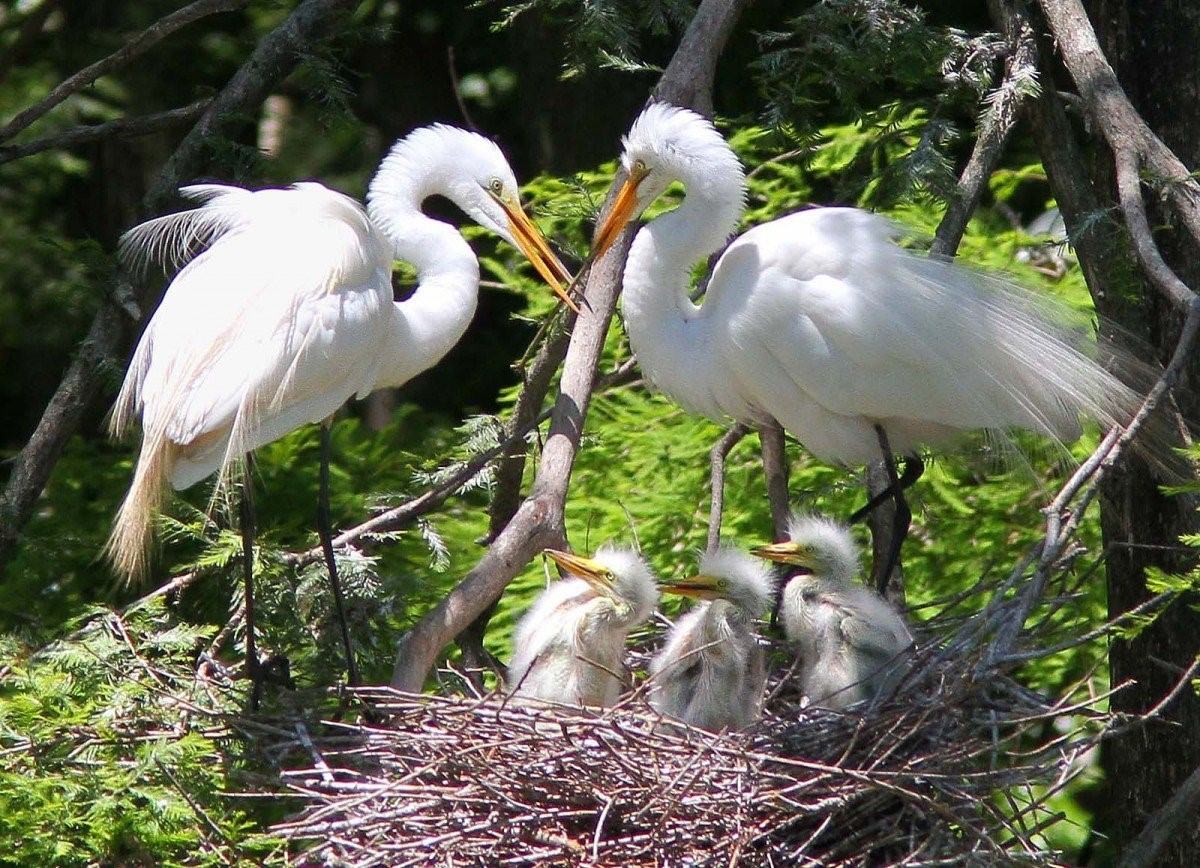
point(1153, 49)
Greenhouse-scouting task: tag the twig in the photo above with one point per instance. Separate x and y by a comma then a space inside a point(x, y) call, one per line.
point(458, 97)
point(124, 128)
point(135, 47)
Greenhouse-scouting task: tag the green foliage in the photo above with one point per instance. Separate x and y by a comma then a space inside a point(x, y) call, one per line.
point(107, 749)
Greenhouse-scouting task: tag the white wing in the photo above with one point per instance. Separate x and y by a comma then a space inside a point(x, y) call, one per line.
point(830, 328)
point(276, 324)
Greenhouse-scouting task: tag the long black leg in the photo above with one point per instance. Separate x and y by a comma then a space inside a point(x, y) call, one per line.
point(247, 523)
point(902, 518)
point(326, 535)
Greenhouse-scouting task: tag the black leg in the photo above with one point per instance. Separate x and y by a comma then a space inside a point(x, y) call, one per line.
point(326, 535)
point(247, 522)
point(902, 518)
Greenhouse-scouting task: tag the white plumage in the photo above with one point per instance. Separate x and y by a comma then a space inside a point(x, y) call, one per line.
point(288, 310)
point(569, 648)
point(712, 669)
point(820, 321)
point(850, 642)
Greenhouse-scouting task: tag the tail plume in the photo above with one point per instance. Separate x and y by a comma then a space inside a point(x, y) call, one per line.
point(128, 546)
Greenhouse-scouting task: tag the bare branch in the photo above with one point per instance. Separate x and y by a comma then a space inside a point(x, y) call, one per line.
point(135, 47)
point(1108, 105)
point(538, 522)
point(997, 125)
point(122, 128)
point(716, 460)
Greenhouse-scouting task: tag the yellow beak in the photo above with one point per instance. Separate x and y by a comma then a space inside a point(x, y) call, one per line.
point(533, 244)
point(623, 210)
point(585, 568)
point(785, 553)
point(697, 587)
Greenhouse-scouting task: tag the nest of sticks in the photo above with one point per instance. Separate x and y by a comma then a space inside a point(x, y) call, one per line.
point(954, 768)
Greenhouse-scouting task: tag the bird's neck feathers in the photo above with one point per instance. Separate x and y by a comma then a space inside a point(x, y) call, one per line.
point(668, 247)
point(435, 316)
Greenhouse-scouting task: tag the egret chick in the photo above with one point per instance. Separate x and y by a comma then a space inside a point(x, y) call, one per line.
point(712, 671)
point(570, 647)
point(851, 643)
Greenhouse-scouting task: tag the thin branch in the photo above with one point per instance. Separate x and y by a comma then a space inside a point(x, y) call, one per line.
point(458, 96)
point(122, 128)
point(538, 522)
point(135, 47)
point(995, 129)
point(716, 460)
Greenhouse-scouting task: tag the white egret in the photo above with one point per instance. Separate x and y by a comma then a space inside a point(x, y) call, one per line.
point(818, 321)
point(570, 647)
point(851, 643)
point(289, 311)
point(712, 669)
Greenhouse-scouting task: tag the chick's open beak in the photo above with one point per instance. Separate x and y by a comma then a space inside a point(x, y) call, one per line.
point(784, 553)
point(623, 210)
point(697, 587)
point(585, 568)
point(533, 244)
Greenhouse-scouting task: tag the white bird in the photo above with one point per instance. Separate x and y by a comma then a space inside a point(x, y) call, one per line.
point(570, 647)
point(818, 321)
point(850, 642)
point(288, 312)
point(712, 669)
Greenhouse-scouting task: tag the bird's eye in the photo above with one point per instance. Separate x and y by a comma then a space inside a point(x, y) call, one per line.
point(496, 186)
point(639, 167)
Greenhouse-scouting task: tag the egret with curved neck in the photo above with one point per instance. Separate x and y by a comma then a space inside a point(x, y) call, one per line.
point(819, 322)
point(288, 312)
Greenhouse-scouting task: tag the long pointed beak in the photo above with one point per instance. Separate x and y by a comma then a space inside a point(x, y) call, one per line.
point(697, 587)
point(533, 244)
point(623, 210)
point(585, 568)
point(783, 553)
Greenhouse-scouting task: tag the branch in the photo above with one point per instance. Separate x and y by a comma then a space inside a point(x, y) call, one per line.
point(273, 58)
point(1120, 122)
point(716, 460)
point(123, 128)
point(1163, 824)
point(538, 522)
point(995, 128)
point(136, 46)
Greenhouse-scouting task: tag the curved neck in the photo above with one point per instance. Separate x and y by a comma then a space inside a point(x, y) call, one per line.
point(433, 319)
point(666, 330)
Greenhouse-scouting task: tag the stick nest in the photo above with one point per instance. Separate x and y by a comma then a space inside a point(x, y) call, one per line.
point(458, 781)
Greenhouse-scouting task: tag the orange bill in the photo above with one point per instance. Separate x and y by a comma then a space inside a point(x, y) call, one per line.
point(624, 209)
point(533, 244)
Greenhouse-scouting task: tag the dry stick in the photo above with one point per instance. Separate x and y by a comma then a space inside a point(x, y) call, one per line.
point(716, 460)
point(538, 522)
point(275, 56)
point(135, 47)
point(1163, 824)
point(125, 128)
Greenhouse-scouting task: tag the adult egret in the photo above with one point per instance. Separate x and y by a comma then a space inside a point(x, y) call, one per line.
point(818, 321)
point(289, 311)
point(851, 642)
point(712, 670)
point(570, 647)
